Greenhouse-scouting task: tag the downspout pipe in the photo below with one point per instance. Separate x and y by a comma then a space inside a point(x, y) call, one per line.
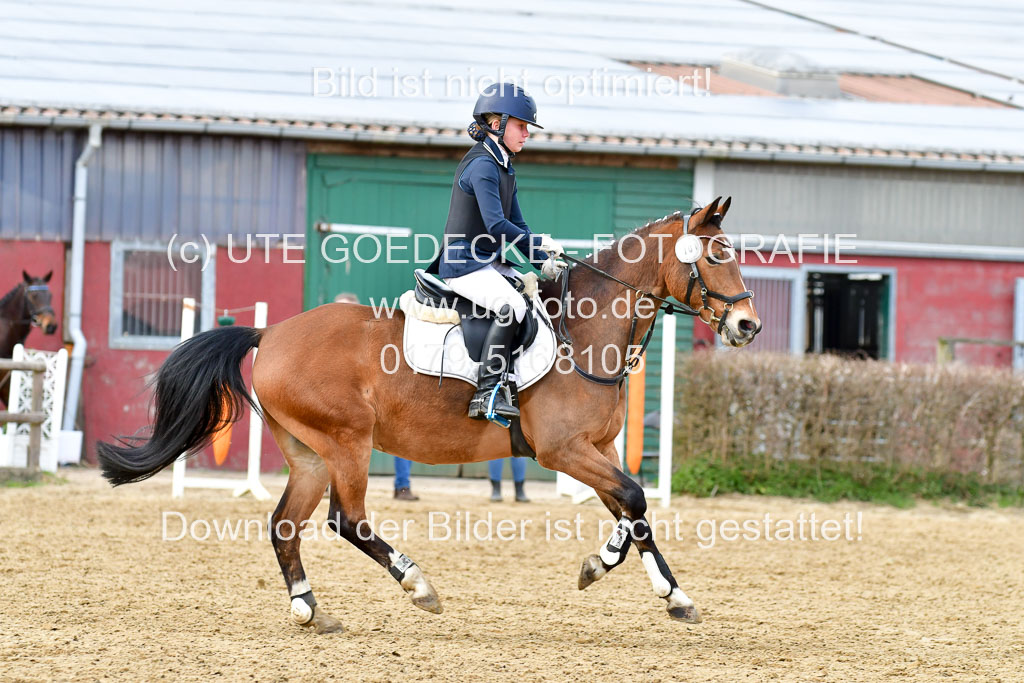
point(74, 304)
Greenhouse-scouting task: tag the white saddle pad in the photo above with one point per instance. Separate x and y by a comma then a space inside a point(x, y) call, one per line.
point(423, 344)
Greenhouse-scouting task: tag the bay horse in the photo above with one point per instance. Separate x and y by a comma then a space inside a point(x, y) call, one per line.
point(328, 403)
point(26, 306)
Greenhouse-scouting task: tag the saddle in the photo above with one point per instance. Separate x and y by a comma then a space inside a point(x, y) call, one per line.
point(475, 320)
point(436, 302)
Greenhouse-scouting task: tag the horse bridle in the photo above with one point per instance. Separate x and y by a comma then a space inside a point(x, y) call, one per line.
point(631, 363)
point(32, 310)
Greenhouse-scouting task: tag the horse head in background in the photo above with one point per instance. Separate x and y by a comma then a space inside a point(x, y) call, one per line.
point(26, 306)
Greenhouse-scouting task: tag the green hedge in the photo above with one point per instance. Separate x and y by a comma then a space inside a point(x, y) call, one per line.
point(866, 419)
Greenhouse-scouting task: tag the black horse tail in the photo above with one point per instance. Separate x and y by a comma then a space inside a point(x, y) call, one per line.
point(199, 390)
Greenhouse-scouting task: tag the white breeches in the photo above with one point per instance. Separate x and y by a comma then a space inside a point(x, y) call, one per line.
point(487, 288)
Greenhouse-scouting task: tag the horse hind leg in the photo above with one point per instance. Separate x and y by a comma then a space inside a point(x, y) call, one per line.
point(347, 517)
point(307, 480)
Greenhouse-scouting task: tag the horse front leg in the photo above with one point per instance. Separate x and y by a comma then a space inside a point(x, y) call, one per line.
point(624, 498)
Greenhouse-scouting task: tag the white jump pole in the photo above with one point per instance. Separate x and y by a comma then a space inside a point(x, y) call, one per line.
point(252, 479)
point(188, 325)
point(668, 385)
point(251, 483)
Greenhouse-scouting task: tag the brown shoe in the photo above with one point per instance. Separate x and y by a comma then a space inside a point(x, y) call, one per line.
point(405, 493)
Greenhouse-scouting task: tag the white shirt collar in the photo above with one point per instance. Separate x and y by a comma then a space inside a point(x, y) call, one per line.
point(503, 159)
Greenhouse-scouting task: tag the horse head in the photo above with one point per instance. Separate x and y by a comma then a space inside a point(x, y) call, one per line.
point(704, 274)
point(37, 301)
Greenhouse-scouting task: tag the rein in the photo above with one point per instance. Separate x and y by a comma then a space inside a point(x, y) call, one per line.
point(565, 339)
point(632, 361)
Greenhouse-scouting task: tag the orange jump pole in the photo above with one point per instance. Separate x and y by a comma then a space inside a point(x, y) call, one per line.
point(635, 386)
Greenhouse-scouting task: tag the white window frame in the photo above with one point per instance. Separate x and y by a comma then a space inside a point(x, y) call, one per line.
point(797, 301)
point(888, 271)
point(117, 340)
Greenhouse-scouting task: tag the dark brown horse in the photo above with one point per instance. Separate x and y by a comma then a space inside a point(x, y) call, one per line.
point(328, 403)
point(24, 307)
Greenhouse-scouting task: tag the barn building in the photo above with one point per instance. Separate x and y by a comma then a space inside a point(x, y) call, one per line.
point(254, 145)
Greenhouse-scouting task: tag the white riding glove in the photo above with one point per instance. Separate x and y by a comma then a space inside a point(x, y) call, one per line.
point(550, 246)
point(552, 268)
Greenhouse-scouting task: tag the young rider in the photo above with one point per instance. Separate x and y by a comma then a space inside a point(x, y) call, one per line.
point(483, 218)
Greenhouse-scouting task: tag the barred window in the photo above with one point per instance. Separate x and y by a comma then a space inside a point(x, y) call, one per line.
point(146, 291)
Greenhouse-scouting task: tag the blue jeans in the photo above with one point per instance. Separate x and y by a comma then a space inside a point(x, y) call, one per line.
point(402, 468)
point(518, 469)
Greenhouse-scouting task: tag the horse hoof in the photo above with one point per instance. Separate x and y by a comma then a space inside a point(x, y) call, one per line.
point(323, 623)
point(592, 570)
point(689, 614)
point(430, 603)
point(420, 591)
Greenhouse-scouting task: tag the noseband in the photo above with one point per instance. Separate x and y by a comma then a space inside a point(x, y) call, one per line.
point(632, 361)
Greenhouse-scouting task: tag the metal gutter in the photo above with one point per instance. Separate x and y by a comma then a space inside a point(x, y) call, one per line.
point(697, 150)
point(77, 278)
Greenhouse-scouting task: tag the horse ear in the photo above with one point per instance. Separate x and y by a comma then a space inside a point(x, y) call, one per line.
point(26, 277)
point(724, 209)
point(705, 214)
point(46, 278)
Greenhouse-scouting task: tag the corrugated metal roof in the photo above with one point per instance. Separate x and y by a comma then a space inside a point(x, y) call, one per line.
point(222, 67)
point(870, 87)
point(980, 43)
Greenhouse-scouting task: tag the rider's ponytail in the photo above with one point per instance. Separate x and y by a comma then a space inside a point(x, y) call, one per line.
point(476, 131)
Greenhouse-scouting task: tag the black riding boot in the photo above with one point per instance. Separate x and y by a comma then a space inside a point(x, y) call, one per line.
point(496, 351)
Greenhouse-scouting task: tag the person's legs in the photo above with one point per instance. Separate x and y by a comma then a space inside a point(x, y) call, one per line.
point(487, 288)
point(402, 487)
point(519, 477)
point(494, 468)
point(518, 469)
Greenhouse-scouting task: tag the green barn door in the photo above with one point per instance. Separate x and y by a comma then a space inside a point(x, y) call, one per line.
point(350, 196)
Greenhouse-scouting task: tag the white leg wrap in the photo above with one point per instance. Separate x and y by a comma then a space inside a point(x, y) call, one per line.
point(301, 612)
point(659, 583)
point(677, 598)
point(300, 588)
point(611, 552)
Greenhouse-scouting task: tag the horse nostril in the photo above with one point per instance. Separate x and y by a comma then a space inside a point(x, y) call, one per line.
point(748, 326)
point(51, 328)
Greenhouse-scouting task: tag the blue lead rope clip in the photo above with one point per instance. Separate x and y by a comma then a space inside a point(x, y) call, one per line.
point(490, 414)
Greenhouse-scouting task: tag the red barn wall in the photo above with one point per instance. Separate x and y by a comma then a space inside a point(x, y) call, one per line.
point(938, 298)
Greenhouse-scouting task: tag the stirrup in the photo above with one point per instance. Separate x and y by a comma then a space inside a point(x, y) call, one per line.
point(493, 416)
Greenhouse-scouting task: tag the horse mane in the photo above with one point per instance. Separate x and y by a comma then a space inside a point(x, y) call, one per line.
point(606, 256)
point(6, 299)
